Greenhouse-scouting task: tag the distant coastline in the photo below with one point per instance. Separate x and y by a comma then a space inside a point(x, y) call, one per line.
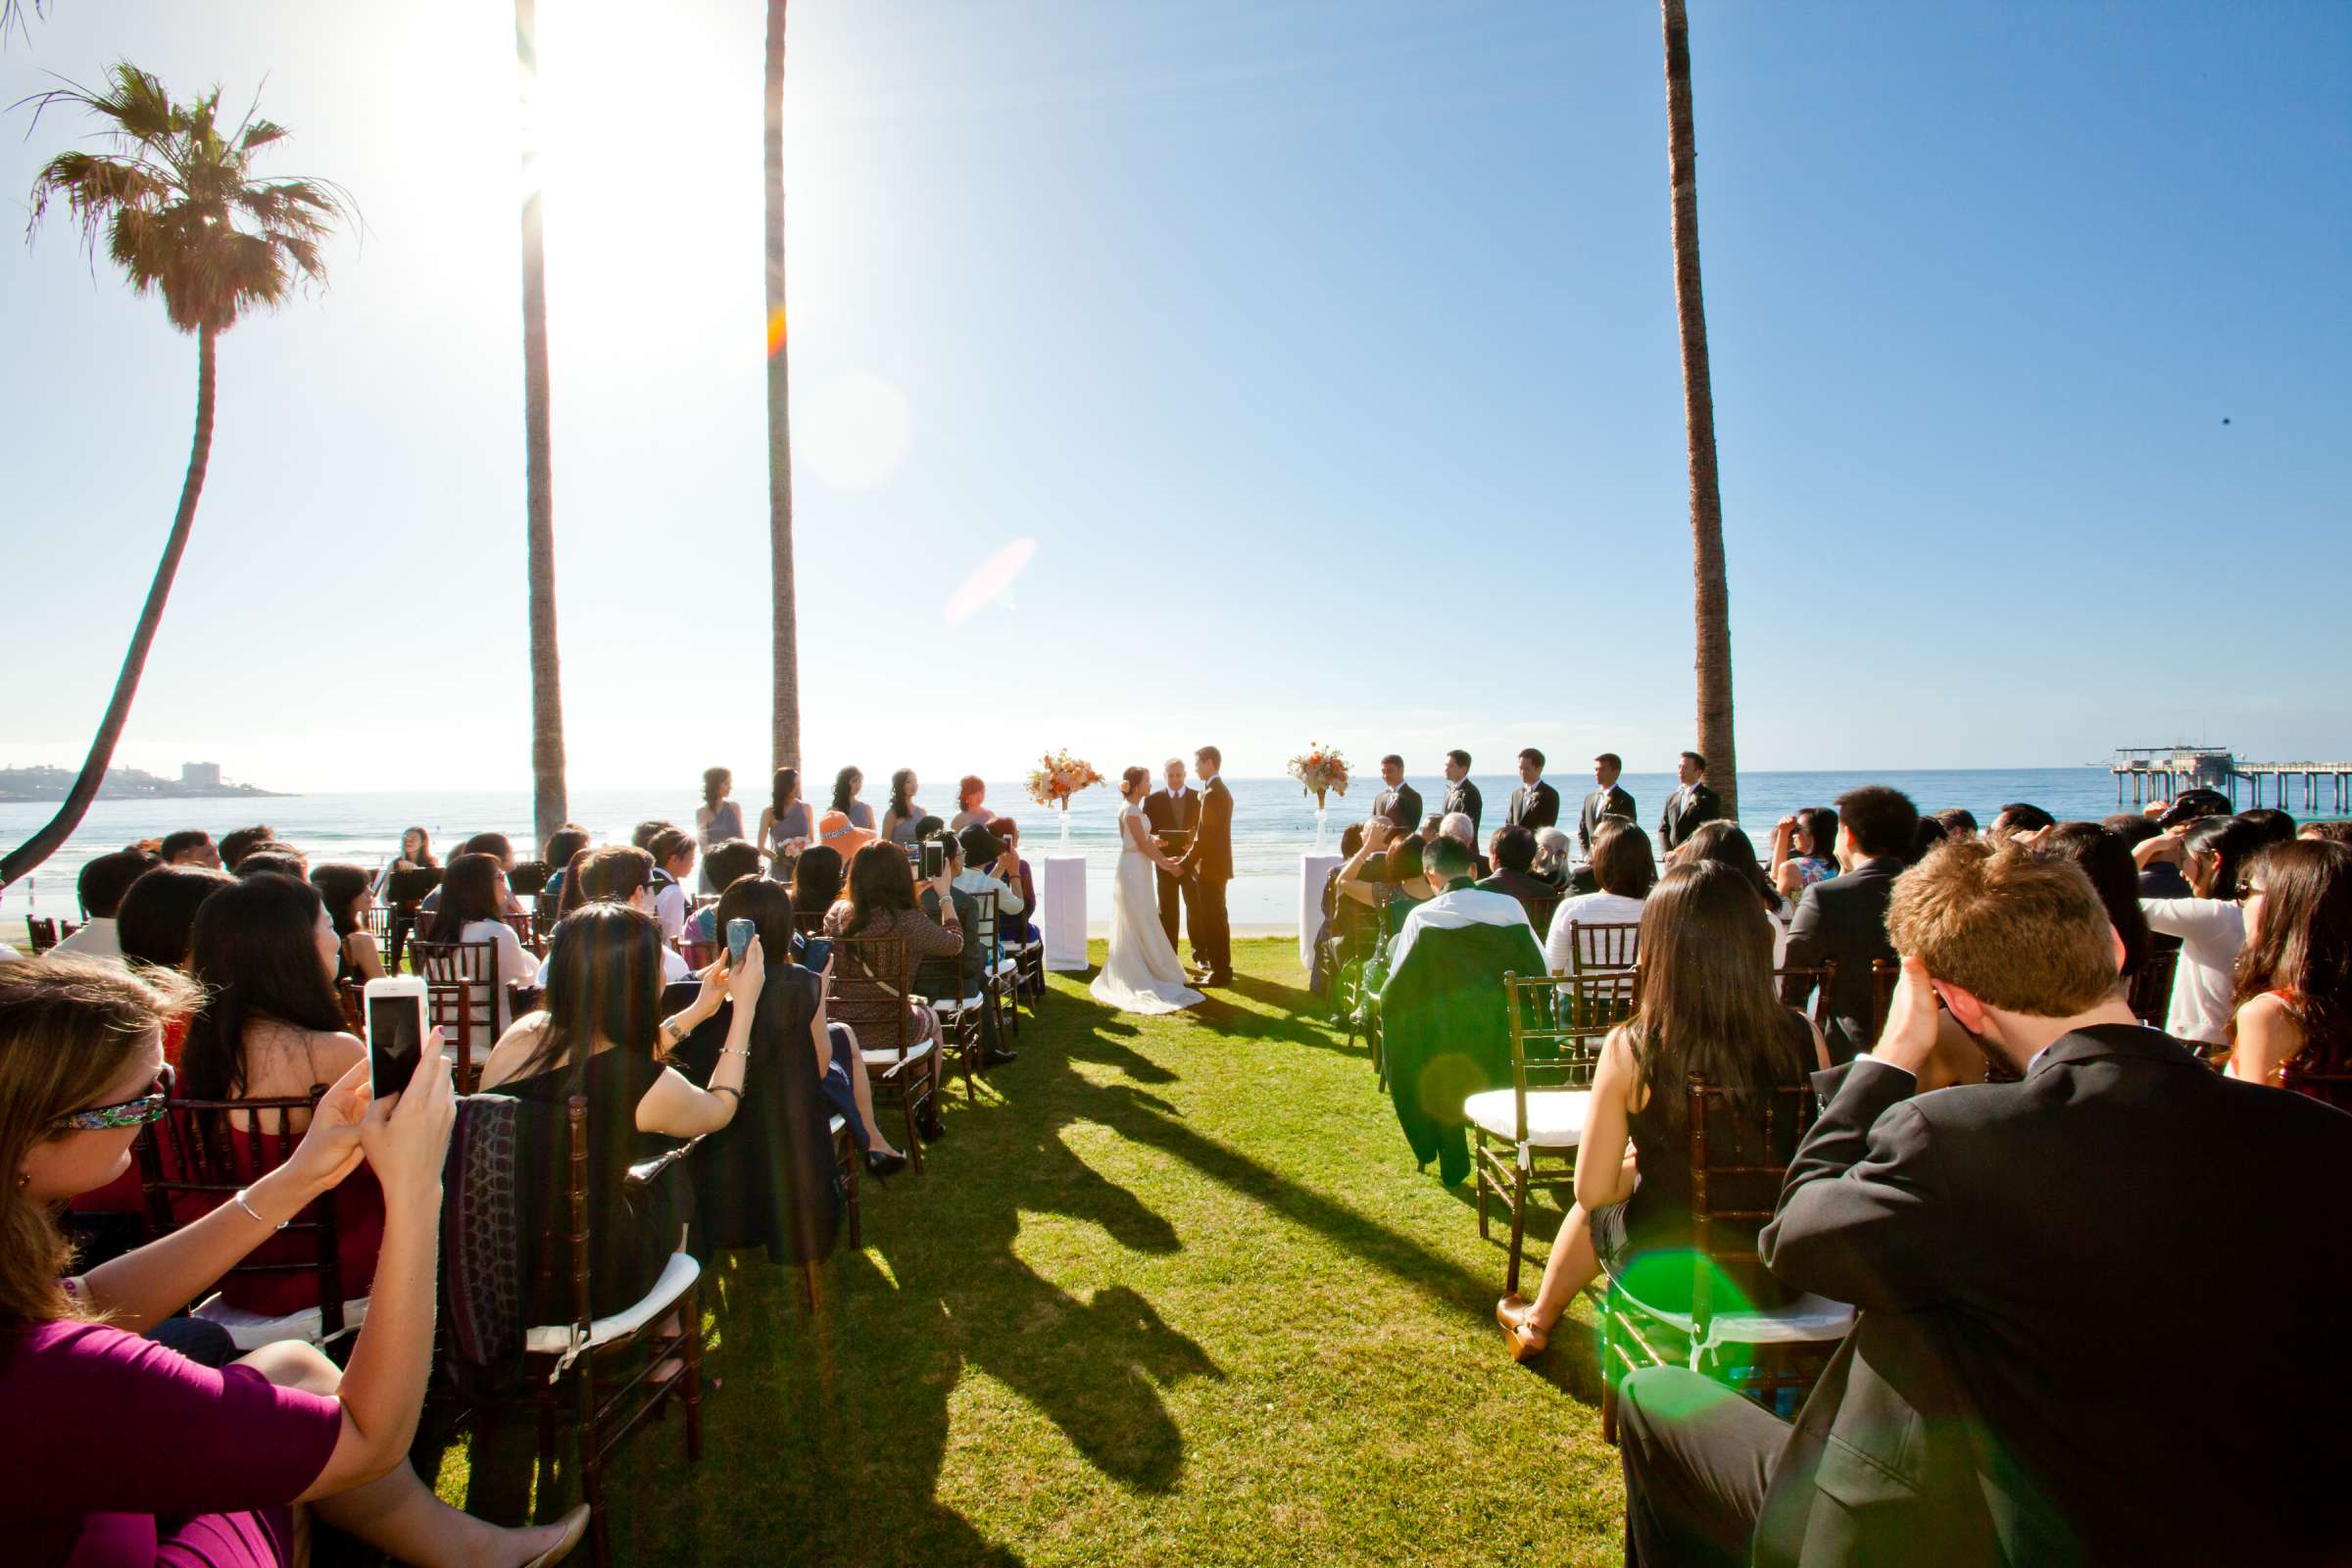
point(26, 784)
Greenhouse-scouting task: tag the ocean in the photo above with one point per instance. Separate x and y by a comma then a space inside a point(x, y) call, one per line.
point(1273, 822)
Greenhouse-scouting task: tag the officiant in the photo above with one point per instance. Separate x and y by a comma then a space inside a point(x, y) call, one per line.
point(1173, 812)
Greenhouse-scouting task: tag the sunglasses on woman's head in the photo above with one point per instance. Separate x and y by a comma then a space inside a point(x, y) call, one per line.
point(147, 1108)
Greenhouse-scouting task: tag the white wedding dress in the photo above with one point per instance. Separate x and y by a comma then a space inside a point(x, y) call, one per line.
point(1141, 974)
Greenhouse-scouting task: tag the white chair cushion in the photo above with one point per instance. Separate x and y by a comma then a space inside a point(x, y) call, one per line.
point(879, 1058)
point(250, 1331)
point(835, 1127)
point(1003, 966)
point(1808, 1318)
point(949, 1006)
point(1555, 1117)
point(681, 1271)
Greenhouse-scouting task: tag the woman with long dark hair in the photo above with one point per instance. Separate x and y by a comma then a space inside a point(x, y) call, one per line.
point(881, 903)
point(2293, 986)
point(602, 1035)
point(562, 845)
point(845, 785)
point(415, 854)
point(903, 822)
point(2212, 854)
point(815, 881)
point(270, 1027)
point(1805, 850)
point(719, 817)
point(349, 896)
point(1708, 1009)
point(786, 825)
point(1727, 844)
point(474, 898)
point(2107, 861)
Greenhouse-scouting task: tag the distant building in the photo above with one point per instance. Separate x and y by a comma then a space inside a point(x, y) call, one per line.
point(200, 775)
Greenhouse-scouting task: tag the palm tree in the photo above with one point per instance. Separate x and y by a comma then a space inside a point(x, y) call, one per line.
point(1712, 608)
point(549, 808)
point(785, 741)
point(182, 217)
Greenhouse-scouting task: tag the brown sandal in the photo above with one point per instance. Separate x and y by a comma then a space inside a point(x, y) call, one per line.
point(1517, 1318)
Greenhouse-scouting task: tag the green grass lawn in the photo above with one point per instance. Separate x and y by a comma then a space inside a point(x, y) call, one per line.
point(1171, 1292)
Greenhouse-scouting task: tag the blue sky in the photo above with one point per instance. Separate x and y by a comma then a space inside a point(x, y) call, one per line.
point(1326, 352)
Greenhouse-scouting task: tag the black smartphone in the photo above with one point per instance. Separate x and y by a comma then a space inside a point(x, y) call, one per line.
point(738, 940)
point(935, 859)
point(394, 1006)
point(815, 953)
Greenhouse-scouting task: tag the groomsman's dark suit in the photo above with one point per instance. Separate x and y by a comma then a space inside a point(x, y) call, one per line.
point(1845, 919)
point(1173, 818)
point(1463, 798)
point(1611, 802)
point(1210, 866)
point(1401, 805)
point(1687, 809)
point(2024, 1256)
point(1534, 807)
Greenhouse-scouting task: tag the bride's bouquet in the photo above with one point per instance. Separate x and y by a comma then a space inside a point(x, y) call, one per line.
point(1321, 770)
point(1058, 776)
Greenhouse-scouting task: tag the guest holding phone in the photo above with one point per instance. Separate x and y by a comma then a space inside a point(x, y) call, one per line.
point(881, 903)
point(117, 1450)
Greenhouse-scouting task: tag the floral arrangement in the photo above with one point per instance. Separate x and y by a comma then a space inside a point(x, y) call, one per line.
point(1057, 776)
point(1321, 770)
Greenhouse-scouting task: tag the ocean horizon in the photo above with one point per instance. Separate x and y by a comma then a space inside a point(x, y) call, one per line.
point(1274, 822)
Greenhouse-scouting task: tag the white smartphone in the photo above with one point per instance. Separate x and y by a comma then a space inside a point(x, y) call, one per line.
point(396, 1031)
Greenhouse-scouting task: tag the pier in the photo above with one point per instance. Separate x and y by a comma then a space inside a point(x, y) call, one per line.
point(2163, 772)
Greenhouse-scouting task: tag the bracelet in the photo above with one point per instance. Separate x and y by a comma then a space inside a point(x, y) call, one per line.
point(240, 1201)
point(723, 1089)
point(730, 1050)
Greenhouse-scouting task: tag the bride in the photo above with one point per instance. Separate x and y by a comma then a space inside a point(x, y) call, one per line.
point(1141, 974)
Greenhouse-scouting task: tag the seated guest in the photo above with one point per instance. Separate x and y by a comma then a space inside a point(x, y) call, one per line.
point(2018, 818)
point(602, 1035)
point(1513, 852)
point(1344, 935)
point(562, 845)
point(2213, 852)
point(270, 1028)
point(2271, 825)
point(1388, 874)
point(971, 791)
point(901, 823)
point(2159, 878)
point(1459, 828)
point(473, 894)
point(926, 829)
point(1555, 865)
point(642, 834)
point(1727, 844)
point(1928, 836)
point(2333, 832)
point(349, 894)
point(236, 843)
point(1707, 1009)
point(1444, 1019)
point(879, 901)
point(2294, 977)
point(1626, 871)
point(619, 873)
point(1020, 928)
point(1843, 920)
point(672, 850)
point(2108, 863)
point(203, 1464)
point(816, 882)
point(729, 862)
point(786, 824)
point(190, 846)
point(1957, 823)
point(1994, 1402)
point(103, 881)
point(1805, 850)
point(281, 858)
point(990, 867)
point(2189, 806)
point(962, 975)
point(157, 921)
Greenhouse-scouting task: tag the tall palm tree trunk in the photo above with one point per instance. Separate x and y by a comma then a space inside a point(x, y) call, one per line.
point(28, 855)
point(785, 742)
point(1712, 597)
point(548, 805)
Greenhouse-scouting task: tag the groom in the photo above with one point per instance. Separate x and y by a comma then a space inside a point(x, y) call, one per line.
point(1206, 866)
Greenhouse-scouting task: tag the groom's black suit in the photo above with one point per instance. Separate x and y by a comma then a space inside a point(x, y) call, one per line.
point(1210, 866)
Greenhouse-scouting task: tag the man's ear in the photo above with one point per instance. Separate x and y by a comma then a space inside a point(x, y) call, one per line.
point(2115, 940)
point(1967, 1011)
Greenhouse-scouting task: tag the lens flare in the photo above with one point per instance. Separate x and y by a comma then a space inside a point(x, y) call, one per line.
point(990, 580)
point(776, 331)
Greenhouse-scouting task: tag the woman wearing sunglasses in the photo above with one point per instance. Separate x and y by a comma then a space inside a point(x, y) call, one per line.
point(118, 1452)
point(2212, 854)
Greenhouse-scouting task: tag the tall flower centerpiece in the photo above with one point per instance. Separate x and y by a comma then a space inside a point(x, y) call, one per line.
point(1057, 776)
point(1321, 771)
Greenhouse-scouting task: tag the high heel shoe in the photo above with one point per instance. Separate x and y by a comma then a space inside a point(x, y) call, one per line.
point(576, 1525)
point(882, 1167)
point(1517, 1318)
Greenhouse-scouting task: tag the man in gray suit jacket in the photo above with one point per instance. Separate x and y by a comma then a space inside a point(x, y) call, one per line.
point(2030, 1258)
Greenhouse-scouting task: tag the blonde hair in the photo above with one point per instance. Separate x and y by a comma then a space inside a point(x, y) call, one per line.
point(2019, 931)
point(69, 1027)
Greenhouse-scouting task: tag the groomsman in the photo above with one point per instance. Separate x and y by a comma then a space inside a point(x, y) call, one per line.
point(1172, 813)
point(1535, 804)
point(1400, 802)
point(1605, 801)
point(1692, 807)
point(1461, 794)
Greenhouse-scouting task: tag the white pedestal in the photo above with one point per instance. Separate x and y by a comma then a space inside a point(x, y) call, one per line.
point(1063, 912)
point(1313, 869)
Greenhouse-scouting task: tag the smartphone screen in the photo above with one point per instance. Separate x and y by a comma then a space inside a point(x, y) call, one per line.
point(738, 940)
point(395, 1040)
point(935, 859)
